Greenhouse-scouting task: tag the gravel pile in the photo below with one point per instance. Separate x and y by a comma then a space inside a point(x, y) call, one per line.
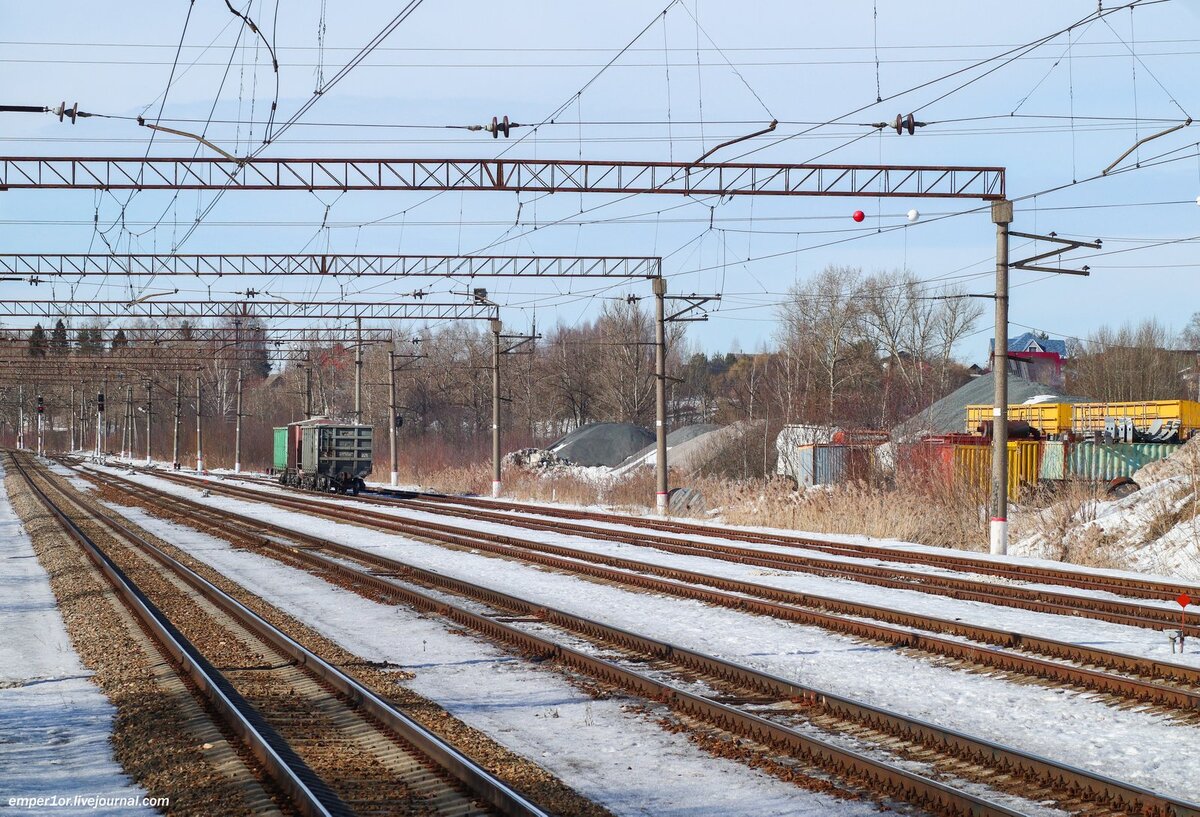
point(607, 444)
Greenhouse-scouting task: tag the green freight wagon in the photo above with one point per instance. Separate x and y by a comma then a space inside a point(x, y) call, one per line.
point(322, 455)
point(281, 450)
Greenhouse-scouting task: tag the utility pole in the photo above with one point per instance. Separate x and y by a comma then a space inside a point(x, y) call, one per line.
point(178, 409)
point(358, 367)
point(71, 418)
point(496, 327)
point(127, 430)
point(20, 416)
point(237, 434)
point(100, 425)
point(392, 416)
point(308, 392)
point(660, 394)
point(199, 429)
point(41, 414)
point(1002, 215)
point(149, 413)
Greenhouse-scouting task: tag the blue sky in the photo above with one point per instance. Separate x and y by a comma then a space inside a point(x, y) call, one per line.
point(1061, 113)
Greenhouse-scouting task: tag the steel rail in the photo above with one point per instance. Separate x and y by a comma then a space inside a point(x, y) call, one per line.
point(807, 609)
point(477, 780)
point(1046, 600)
point(307, 791)
point(1120, 585)
point(387, 576)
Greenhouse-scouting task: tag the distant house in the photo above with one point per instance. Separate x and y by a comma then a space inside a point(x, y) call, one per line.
point(1035, 357)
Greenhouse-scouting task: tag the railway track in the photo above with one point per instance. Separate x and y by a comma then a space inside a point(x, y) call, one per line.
point(1122, 677)
point(746, 702)
point(1130, 586)
point(1038, 599)
point(332, 746)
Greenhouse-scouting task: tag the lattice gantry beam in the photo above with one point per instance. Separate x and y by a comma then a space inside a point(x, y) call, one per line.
point(410, 266)
point(679, 178)
point(266, 310)
point(193, 335)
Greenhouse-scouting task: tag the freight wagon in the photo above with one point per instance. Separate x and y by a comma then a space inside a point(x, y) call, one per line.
point(322, 455)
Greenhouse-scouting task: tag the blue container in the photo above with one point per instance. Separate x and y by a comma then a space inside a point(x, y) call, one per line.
point(830, 464)
point(1103, 462)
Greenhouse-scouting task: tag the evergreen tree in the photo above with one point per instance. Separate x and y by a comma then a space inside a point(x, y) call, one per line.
point(119, 340)
point(37, 342)
point(58, 338)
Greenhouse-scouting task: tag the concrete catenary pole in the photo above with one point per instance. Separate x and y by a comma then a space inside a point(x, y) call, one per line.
point(20, 416)
point(496, 328)
point(128, 435)
point(149, 421)
point(199, 429)
point(41, 425)
point(178, 411)
point(237, 433)
point(100, 425)
point(392, 416)
point(660, 394)
point(1002, 215)
point(71, 418)
point(358, 368)
point(308, 413)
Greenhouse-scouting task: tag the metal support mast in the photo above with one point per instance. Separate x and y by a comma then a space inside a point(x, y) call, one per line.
point(496, 328)
point(660, 395)
point(71, 419)
point(1002, 215)
point(20, 417)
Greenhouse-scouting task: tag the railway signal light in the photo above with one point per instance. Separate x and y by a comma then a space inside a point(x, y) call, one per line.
point(100, 403)
point(41, 405)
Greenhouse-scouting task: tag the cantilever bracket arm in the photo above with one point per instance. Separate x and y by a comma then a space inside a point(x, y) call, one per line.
point(693, 302)
point(1068, 245)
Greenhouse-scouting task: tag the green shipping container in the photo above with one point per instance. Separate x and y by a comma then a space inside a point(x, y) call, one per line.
point(1102, 462)
point(1054, 464)
point(281, 448)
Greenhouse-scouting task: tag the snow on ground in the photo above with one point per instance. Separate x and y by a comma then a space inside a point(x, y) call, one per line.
point(56, 723)
point(1103, 635)
point(1139, 747)
point(1156, 528)
point(1160, 570)
point(603, 749)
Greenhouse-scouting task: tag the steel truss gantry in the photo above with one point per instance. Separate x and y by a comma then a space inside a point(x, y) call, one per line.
point(271, 264)
point(266, 310)
point(194, 335)
point(511, 175)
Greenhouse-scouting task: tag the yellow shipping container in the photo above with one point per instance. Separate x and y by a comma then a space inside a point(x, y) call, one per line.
point(973, 464)
point(1090, 416)
point(1048, 418)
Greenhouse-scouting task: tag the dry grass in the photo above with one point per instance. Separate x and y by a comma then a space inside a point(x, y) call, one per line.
point(931, 515)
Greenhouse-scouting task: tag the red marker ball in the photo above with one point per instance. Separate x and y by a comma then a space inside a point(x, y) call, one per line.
point(859, 215)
